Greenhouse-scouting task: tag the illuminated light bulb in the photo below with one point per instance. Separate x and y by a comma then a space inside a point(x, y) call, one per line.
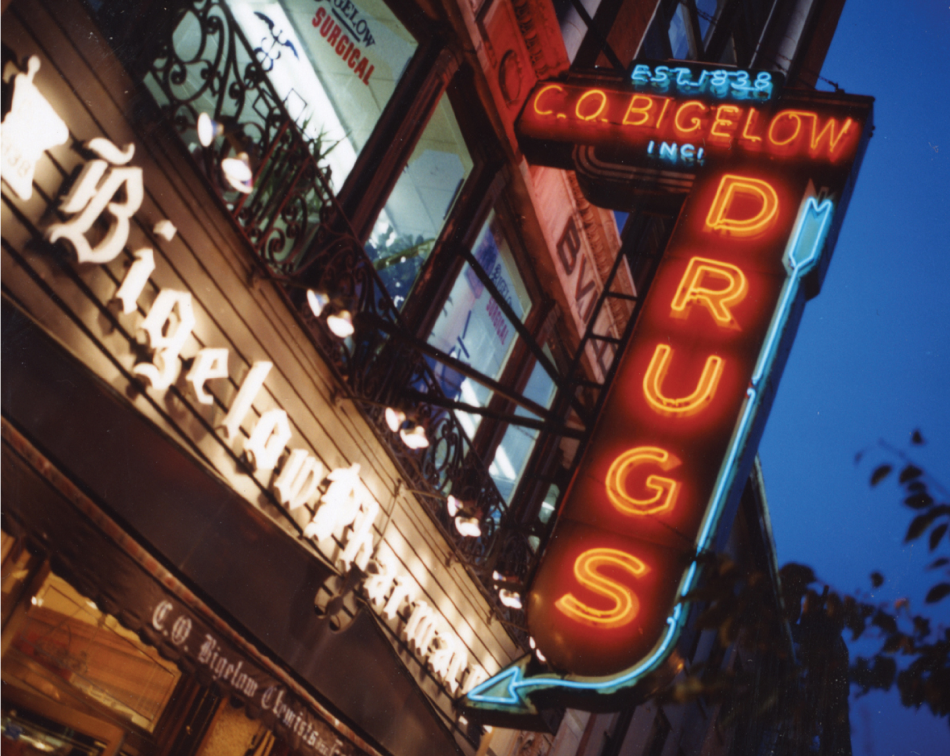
point(317, 301)
point(415, 438)
point(496, 575)
point(394, 419)
point(532, 643)
point(208, 129)
point(453, 506)
point(237, 172)
point(541, 657)
point(468, 526)
point(341, 324)
point(509, 598)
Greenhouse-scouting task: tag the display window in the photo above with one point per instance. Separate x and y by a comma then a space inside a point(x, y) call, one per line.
point(472, 327)
point(335, 64)
point(406, 230)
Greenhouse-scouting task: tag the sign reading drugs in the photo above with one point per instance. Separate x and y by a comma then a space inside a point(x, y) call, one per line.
point(674, 441)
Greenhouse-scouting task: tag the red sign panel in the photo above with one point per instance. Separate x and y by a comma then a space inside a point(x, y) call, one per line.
point(677, 430)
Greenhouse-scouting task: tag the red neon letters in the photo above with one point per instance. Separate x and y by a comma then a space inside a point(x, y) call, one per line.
point(593, 115)
point(635, 506)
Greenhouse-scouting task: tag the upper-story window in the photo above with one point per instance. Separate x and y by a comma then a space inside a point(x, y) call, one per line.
point(334, 63)
point(406, 230)
point(472, 327)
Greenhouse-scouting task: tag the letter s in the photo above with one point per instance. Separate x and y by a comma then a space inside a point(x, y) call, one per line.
point(625, 604)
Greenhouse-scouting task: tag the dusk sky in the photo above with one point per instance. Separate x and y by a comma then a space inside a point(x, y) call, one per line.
point(872, 357)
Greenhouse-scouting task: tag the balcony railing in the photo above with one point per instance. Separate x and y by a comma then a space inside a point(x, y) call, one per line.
point(293, 223)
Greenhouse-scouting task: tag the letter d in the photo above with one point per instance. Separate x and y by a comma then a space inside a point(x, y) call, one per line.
point(752, 191)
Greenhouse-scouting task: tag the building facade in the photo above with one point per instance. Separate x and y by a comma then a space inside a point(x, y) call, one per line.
point(299, 351)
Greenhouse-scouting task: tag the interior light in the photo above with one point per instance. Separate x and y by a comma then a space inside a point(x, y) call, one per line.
point(237, 171)
point(394, 419)
point(532, 643)
point(453, 506)
point(541, 657)
point(509, 598)
point(415, 438)
point(341, 324)
point(317, 301)
point(468, 526)
point(208, 129)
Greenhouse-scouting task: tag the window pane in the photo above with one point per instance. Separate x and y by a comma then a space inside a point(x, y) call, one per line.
point(334, 63)
point(405, 231)
point(64, 637)
point(679, 39)
point(708, 12)
point(512, 454)
point(472, 328)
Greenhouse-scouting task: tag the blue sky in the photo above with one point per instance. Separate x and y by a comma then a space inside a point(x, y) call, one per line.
point(872, 357)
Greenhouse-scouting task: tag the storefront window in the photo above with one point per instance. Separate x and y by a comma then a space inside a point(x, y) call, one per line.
point(472, 327)
point(406, 230)
point(512, 453)
point(65, 639)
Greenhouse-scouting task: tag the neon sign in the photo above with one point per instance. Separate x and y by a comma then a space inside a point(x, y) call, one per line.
point(692, 80)
point(659, 126)
point(678, 427)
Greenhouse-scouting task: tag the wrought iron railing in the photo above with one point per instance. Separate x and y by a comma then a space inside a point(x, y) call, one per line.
point(292, 221)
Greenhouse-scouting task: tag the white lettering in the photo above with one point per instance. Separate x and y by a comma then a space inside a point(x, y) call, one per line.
point(402, 588)
point(92, 194)
point(299, 479)
point(163, 370)
point(158, 616)
point(380, 580)
point(245, 398)
point(421, 628)
point(339, 505)
point(208, 364)
point(359, 545)
point(135, 280)
point(447, 659)
point(268, 440)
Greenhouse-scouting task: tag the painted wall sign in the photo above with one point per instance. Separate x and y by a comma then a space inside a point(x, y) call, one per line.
point(674, 441)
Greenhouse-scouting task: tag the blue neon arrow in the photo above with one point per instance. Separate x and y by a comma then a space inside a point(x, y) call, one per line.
point(509, 688)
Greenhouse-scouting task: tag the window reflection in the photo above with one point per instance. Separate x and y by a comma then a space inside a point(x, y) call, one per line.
point(406, 230)
point(511, 456)
point(472, 327)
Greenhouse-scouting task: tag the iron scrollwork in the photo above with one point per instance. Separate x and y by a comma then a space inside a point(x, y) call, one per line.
point(293, 223)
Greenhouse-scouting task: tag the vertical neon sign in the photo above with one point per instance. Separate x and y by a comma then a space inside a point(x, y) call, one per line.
point(678, 428)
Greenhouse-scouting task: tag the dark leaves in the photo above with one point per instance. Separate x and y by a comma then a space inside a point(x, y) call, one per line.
point(919, 501)
point(880, 473)
point(919, 524)
point(916, 438)
point(877, 579)
point(909, 473)
point(939, 591)
point(938, 563)
point(936, 534)
point(885, 621)
point(880, 674)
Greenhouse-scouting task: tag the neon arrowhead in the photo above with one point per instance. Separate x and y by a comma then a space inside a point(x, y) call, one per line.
point(501, 689)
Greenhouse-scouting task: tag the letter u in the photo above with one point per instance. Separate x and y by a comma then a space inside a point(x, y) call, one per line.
point(686, 405)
